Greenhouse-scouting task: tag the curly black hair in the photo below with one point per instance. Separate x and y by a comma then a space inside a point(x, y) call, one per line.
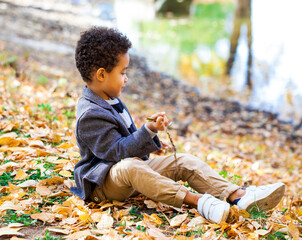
point(99, 47)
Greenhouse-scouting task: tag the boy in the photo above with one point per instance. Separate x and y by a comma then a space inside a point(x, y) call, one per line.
point(115, 160)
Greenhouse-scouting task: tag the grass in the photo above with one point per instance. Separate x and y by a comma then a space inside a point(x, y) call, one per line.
point(48, 237)
point(12, 217)
point(256, 213)
point(276, 236)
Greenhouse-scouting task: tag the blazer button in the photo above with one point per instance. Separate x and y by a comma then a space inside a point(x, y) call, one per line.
point(96, 199)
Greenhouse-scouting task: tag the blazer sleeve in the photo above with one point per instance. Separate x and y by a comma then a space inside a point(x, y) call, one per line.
point(101, 132)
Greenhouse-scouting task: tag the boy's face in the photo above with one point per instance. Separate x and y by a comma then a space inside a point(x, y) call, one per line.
point(115, 80)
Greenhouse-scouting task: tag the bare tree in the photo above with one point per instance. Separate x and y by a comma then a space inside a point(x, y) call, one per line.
point(242, 16)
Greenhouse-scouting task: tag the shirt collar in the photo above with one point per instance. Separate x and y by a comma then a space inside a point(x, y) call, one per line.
point(92, 96)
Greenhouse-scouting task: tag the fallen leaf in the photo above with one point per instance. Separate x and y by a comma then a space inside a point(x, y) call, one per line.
point(97, 216)
point(262, 232)
point(78, 235)
point(6, 231)
point(65, 145)
point(156, 234)
point(106, 222)
point(65, 173)
point(8, 205)
point(197, 222)
point(28, 183)
point(293, 230)
point(43, 216)
point(20, 175)
point(59, 230)
point(150, 204)
point(178, 220)
point(36, 143)
point(43, 190)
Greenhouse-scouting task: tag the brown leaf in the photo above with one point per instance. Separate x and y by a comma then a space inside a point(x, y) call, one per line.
point(6, 231)
point(156, 234)
point(44, 216)
point(52, 181)
point(150, 204)
point(9, 205)
point(59, 230)
point(78, 235)
point(43, 190)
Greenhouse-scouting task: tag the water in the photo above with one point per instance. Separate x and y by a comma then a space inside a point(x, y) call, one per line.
point(195, 48)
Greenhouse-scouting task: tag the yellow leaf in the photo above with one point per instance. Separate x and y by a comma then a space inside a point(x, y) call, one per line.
point(293, 230)
point(84, 217)
point(20, 175)
point(178, 220)
point(157, 219)
point(65, 145)
point(11, 142)
point(244, 213)
point(262, 232)
point(65, 173)
point(56, 138)
point(65, 211)
point(299, 212)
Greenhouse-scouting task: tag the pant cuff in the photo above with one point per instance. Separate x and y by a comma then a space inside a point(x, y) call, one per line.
point(180, 196)
point(229, 190)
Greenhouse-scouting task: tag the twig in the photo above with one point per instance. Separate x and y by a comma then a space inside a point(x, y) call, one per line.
point(170, 139)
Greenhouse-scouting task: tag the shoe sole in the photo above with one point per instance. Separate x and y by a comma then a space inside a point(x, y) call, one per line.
point(270, 201)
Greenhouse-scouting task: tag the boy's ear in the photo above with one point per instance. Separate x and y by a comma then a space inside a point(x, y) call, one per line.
point(100, 74)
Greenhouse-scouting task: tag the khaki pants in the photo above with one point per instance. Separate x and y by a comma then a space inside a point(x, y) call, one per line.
point(157, 179)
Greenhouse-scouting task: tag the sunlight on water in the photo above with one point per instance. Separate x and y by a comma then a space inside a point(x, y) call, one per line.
point(277, 50)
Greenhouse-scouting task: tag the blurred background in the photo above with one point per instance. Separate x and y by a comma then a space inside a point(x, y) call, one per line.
point(244, 50)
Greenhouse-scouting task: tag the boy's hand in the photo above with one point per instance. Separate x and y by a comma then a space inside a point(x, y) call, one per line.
point(159, 122)
point(165, 147)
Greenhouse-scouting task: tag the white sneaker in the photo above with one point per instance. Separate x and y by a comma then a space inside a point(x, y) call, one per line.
point(264, 197)
point(213, 209)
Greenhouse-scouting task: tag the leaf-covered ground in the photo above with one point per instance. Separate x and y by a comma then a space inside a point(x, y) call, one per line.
point(38, 153)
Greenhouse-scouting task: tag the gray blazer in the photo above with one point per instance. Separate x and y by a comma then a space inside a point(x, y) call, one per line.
point(103, 140)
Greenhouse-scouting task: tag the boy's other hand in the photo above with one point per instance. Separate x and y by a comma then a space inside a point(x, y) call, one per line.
point(160, 122)
point(164, 147)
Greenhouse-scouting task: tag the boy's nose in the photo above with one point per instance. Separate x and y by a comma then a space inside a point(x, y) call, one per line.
point(126, 79)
